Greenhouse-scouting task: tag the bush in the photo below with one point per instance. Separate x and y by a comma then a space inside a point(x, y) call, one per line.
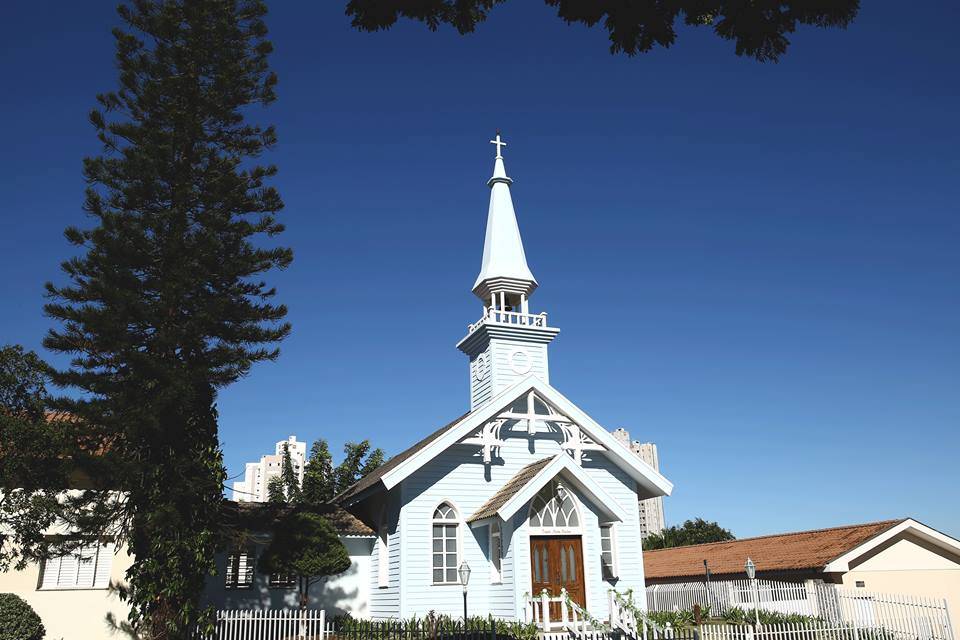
point(18, 620)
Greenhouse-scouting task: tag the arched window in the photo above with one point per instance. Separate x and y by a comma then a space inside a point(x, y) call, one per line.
point(446, 543)
point(555, 508)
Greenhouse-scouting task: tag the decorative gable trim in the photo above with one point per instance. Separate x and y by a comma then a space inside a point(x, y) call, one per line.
point(471, 426)
point(524, 493)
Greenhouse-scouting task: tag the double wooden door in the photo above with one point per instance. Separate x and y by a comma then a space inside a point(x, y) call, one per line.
point(556, 562)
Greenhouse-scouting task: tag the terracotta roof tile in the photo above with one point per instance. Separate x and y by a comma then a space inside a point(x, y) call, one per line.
point(509, 489)
point(778, 552)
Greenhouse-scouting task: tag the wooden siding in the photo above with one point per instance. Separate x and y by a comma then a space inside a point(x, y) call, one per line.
point(385, 600)
point(459, 476)
point(480, 390)
point(502, 372)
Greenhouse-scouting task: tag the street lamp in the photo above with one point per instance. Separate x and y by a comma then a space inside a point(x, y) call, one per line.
point(751, 570)
point(464, 572)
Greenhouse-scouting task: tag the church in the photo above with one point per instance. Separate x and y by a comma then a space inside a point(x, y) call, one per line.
point(525, 489)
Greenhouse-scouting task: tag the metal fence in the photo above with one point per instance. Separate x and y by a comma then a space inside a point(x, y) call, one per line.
point(903, 616)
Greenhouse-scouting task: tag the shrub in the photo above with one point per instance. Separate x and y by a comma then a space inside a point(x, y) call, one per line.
point(18, 620)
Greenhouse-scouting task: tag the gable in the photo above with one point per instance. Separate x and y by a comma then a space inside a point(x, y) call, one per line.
point(907, 552)
point(917, 531)
point(481, 428)
point(521, 488)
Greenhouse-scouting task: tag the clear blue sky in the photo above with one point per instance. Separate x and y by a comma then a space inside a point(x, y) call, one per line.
point(754, 266)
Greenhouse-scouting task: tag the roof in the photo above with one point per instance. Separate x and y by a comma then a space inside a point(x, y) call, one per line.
point(374, 476)
point(513, 486)
point(260, 515)
point(652, 483)
point(503, 255)
point(810, 550)
point(522, 487)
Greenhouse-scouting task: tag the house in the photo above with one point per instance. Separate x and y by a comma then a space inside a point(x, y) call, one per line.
point(894, 556)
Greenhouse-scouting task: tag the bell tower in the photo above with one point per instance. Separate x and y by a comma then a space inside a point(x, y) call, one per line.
point(508, 342)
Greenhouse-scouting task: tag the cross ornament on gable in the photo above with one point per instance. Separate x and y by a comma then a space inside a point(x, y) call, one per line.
point(499, 144)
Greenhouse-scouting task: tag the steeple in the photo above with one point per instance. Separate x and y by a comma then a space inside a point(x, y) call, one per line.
point(507, 343)
point(504, 267)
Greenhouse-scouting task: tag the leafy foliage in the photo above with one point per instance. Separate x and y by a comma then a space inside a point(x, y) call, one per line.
point(759, 29)
point(32, 467)
point(305, 545)
point(322, 481)
point(737, 615)
point(165, 304)
point(429, 626)
point(18, 620)
point(697, 531)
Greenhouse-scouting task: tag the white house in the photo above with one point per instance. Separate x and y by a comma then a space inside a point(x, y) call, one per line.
point(526, 488)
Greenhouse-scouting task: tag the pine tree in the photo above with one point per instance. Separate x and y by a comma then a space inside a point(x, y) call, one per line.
point(275, 492)
point(358, 461)
point(318, 487)
point(166, 303)
point(288, 477)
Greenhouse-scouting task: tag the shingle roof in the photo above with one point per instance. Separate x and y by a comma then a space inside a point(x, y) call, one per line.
point(261, 515)
point(374, 476)
point(779, 552)
point(508, 490)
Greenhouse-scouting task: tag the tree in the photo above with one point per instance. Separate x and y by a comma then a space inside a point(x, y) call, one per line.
point(288, 477)
point(322, 481)
point(32, 467)
point(318, 482)
point(166, 302)
point(759, 28)
point(275, 493)
point(307, 546)
point(697, 531)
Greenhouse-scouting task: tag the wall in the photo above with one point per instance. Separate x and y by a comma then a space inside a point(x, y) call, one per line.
point(345, 593)
point(907, 564)
point(459, 476)
point(75, 614)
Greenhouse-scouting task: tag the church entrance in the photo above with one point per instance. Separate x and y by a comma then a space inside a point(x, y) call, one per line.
point(556, 562)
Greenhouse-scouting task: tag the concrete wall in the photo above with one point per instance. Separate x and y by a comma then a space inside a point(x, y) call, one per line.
point(72, 614)
point(907, 564)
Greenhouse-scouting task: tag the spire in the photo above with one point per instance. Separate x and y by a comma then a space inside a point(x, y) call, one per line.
point(504, 267)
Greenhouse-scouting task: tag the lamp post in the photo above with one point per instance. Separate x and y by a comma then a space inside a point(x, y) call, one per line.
point(464, 572)
point(751, 570)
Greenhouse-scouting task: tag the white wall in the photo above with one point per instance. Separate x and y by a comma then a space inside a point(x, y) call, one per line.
point(346, 593)
point(459, 475)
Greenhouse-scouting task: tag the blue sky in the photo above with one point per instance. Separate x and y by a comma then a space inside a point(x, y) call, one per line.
point(754, 266)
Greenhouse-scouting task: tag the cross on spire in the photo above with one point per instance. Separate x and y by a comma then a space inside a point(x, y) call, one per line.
point(499, 144)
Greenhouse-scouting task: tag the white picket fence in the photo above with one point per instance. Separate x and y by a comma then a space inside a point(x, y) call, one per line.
point(904, 616)
point(269, 624)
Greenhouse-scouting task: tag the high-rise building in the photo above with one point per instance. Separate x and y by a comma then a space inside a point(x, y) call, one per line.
point(651, 509)
point(257, 475)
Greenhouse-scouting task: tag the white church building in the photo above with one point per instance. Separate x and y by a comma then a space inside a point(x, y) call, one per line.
point(525, 488)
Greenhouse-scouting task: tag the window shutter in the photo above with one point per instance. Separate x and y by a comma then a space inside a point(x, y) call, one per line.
point(51, 573)
point(101, 578)
point(68, 570)
point(86, 558)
